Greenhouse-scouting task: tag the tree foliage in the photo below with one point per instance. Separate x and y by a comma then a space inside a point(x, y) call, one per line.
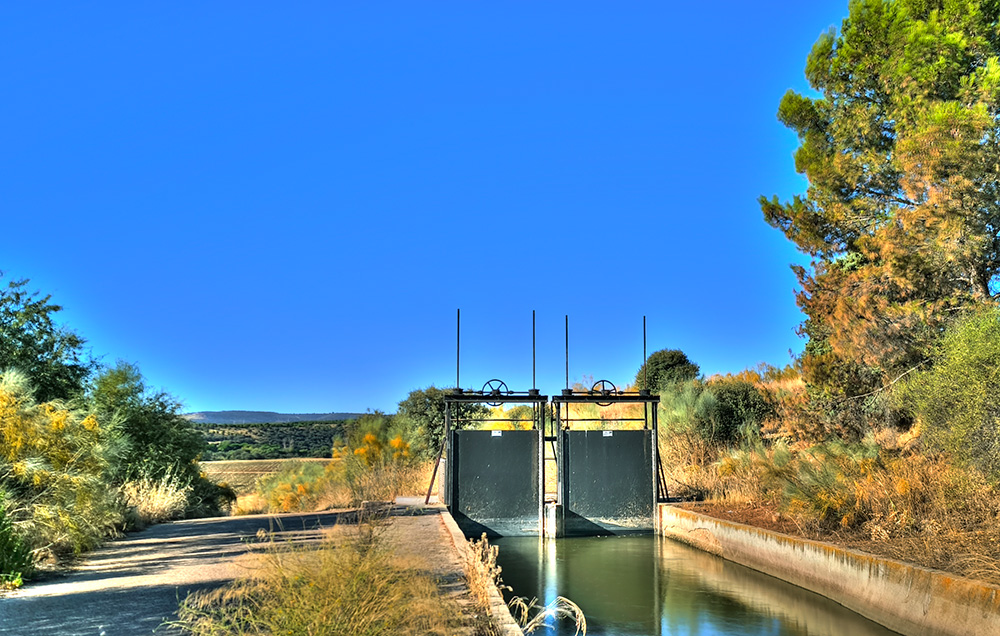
point(154, 438)
point(421, 415)
point(665, 368)
point(902, 211)
point(958, 399)
point(52, 357)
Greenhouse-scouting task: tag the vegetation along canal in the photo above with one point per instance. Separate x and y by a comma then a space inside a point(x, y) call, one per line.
point(647, 585)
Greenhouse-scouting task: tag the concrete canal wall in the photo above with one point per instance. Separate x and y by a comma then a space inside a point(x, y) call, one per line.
point(911, 600)
point(498, 609)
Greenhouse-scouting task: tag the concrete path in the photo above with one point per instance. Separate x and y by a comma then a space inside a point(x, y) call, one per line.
point(131, 586)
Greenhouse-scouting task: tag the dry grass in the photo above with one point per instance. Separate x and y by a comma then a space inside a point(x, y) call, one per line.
point(350, 585)
point(531, 615)
point(885, 499)
point(482, 572)
point(156, 500)
point(296, 486)
point(243, 476)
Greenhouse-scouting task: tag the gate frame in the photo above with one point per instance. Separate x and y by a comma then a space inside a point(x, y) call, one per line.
point(461, 396)
point(601, 398)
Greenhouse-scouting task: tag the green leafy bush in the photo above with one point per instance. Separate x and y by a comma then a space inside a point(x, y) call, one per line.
point(664, 369)
point(958, 399)
point(15, 553)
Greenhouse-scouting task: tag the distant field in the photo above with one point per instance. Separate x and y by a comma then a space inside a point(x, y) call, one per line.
point(270, 440)
point(244, 474)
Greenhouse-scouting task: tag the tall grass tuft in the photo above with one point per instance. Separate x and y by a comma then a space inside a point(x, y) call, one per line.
point(482, 573)
point(346, 587)
point(153, 500)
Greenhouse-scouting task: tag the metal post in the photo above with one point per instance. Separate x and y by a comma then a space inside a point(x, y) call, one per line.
point(560, 457)
point(645, 371)
point(533, 386)
point(437, 463)
point(458, 348)
point(540, 426)
point(656, 466)
point(567, 351)
point(450, 465)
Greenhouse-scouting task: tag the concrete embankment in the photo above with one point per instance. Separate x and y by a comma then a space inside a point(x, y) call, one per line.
point(499, 612)
point(911, 600)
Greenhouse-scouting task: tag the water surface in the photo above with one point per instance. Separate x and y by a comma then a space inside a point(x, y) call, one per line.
point(647, 585)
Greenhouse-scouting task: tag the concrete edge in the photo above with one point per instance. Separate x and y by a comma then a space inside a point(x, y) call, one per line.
point(498, 609)
point(909, 599)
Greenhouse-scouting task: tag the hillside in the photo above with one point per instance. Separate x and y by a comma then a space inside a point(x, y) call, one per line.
point(264, 417)
point(270, 440)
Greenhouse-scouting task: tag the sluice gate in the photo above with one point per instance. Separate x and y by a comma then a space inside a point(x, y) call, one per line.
point(573, 468)
point(495, 478)
point(607, 475)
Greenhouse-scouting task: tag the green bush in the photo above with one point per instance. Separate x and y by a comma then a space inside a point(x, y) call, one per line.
point(664, 369)
point(958, 399)
point(15, 553)
point(736, 411)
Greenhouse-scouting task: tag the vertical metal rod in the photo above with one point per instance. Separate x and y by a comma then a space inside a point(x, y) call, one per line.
point(645, 384)
point(533, 349)
point(541, 474)
point(458, 348)
point(567, 351)
point(449, 446)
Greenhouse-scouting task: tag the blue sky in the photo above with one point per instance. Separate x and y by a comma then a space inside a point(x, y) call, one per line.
point(280, 206)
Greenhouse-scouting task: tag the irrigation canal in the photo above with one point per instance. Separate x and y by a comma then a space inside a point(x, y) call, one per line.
point(645, 585)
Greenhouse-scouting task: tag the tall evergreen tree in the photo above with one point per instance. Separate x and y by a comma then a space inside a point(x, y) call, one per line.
point(902, 211)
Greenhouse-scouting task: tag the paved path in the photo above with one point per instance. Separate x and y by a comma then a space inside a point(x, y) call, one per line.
point(131, 586)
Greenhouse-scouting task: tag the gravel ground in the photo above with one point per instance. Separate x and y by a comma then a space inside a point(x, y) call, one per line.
point(132, 586)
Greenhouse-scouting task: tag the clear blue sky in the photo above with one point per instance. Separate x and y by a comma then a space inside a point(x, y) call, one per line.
point(280, 206)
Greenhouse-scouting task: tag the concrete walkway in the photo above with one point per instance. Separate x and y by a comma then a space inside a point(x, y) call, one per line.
point(131, 586)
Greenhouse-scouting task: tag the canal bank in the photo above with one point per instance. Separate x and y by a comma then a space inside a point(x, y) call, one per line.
point(908, 599)
point(453, 541)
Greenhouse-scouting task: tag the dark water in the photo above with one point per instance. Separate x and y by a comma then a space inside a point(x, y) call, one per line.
point(647, 585)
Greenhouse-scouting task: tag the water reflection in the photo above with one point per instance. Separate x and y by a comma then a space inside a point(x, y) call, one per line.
point(646, 585)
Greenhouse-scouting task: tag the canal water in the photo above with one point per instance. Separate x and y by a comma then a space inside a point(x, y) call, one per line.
point(645, 585)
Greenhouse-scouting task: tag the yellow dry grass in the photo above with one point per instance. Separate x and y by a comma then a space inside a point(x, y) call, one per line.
point(243, 475)
point(349, 584)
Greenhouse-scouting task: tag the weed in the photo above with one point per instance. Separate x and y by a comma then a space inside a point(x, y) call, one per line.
point(349, 585)
point(531, 615)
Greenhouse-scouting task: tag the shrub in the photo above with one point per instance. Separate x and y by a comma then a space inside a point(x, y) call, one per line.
point(301, 485)
point(958, 399)
point(15, 554)
point(664, 369)
point(52, 466)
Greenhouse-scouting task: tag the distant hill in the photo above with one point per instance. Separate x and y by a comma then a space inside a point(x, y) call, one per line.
point(262, 417)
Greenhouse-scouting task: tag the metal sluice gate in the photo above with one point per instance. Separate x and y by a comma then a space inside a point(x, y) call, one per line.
point(553, 478)
point(497, 481)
